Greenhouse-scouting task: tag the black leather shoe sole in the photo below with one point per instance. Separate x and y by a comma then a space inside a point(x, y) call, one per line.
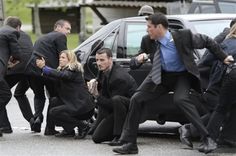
point(50, 132)
point(117, 143)
point(121, 151)
point(7, 130)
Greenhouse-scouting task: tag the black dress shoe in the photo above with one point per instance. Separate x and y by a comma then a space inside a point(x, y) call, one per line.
point(116, 142)
point(6, 130)
point(208, 145)
point(0, 133)
point(184, 135)
point(65, 134)
point(31, 122)
point(36, 126)
point(127, 148)
point(49, 131)
point(83, 129)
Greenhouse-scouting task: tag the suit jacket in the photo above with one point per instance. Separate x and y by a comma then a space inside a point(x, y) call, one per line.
point(186, 43)
point(208, 59)
point(49, 46)
point(117, 82)
point(72, 90)
point(8, 45)
point(26, 47)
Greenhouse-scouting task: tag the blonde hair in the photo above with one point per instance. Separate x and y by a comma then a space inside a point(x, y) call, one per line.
point(73, 64)
point(232, 32)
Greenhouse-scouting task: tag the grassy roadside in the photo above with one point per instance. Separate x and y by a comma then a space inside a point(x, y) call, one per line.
point(24, 13)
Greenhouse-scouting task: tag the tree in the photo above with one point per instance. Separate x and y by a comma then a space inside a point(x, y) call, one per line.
point(1, 12)
point(17, 4)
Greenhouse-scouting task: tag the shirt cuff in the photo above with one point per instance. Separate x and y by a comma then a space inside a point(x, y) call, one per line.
point(46, 70)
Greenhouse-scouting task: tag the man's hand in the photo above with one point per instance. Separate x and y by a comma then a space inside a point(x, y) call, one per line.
point(229, 59)
point(142, 57)
point(92, 87)
point(12, 64)
point(40, 62)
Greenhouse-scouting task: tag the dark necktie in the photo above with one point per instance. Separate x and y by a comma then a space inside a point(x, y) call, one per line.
point(156, 66)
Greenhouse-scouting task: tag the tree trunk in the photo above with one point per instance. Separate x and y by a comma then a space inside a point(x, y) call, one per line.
point(38, 32)
point(1, 13)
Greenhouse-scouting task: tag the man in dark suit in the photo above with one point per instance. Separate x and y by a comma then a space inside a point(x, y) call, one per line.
point(115, 87)
point(211, 94)
point(48, 46)
point(15, 75)
point(174, 69)
point(9, 47)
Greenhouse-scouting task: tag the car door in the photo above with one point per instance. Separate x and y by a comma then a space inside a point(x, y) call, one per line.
point(106, 38)
point(130, 36)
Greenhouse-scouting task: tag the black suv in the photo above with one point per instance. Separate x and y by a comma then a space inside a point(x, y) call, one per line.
point(123, 36)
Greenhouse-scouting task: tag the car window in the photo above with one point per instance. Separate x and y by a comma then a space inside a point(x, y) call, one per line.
point(111, 42)
point(205, 9)
point(227, 7)
point(134, 35)
point(209, 28)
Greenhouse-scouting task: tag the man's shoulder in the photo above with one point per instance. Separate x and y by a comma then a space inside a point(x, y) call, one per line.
point(181, 31)
point(6, 30)
point(120, 72)
point(55, 33)
point(51, 36)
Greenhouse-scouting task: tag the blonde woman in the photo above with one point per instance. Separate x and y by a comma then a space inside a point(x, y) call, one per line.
point(73, 103)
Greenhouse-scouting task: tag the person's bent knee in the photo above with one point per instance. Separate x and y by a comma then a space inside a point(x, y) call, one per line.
point(54, 112)
point(116, 99)
point(135, 98)
point(179, 101)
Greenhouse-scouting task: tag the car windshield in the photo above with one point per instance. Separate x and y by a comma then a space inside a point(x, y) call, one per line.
point(211, 28)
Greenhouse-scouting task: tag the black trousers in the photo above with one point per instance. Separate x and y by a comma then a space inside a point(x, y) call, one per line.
point(227, 101)
point(5, 96)
point(61, 115)
point(23, 85)
point(180, 83)
point(210, 100)
point(37, 85)
point(110, 122)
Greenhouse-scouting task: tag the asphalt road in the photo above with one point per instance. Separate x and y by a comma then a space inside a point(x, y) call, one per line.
point(153, 140)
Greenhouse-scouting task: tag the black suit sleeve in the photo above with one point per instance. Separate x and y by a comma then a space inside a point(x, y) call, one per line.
point(14, 45)
point(200, 41)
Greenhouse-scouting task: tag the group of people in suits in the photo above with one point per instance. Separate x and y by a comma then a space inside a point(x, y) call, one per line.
point(48, 64)
point(175, 47)
point(118, 98)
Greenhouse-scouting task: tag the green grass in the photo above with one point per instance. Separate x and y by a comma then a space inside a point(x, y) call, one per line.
point(24, 13)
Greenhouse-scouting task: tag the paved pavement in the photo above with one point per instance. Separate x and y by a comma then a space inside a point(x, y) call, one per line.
point(26, 27)
point(22, 142)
